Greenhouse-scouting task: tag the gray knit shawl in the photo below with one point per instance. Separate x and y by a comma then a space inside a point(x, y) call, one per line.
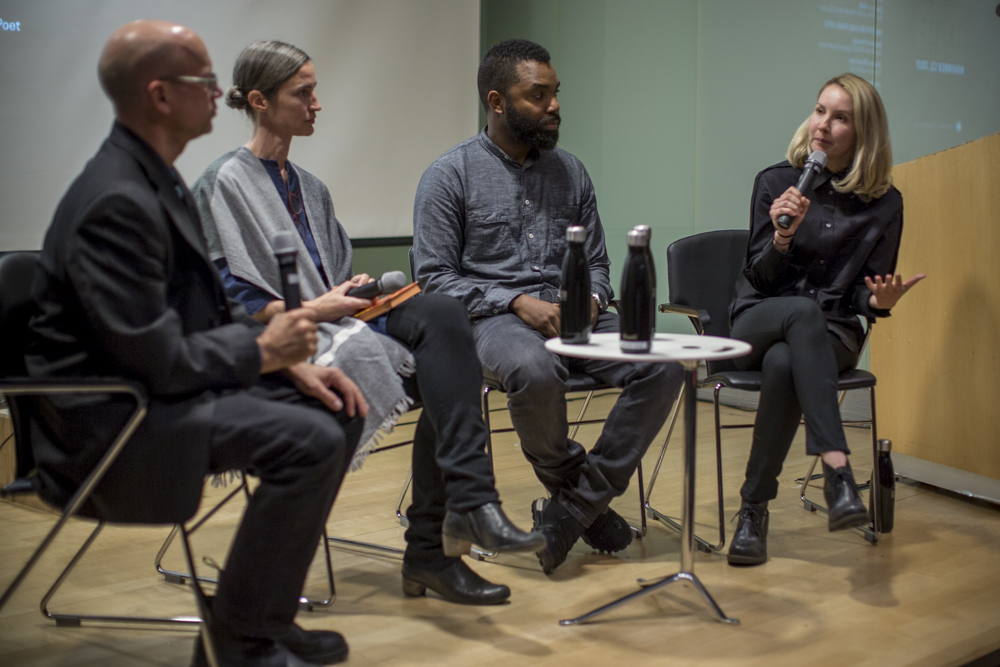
point(241, 211)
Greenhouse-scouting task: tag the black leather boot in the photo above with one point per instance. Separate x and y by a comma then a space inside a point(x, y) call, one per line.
point(320, 647)
point(455, 583)
point(561, 530)
point(233, 651)
point(487, 527)
point(323, 647)
point(749, 545)
point(609, 533)
point(845, 507)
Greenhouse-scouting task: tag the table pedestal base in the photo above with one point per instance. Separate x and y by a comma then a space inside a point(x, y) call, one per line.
point(687, 510)
point(651, 586)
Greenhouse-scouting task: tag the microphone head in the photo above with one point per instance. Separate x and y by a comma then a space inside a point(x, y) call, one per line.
point(392, 281)
point(817, 158)
point(284, 243)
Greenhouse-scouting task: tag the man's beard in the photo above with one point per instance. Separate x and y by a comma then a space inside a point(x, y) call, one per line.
point(529, 132)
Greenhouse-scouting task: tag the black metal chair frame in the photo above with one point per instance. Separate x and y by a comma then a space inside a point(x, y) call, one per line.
point(12, 387)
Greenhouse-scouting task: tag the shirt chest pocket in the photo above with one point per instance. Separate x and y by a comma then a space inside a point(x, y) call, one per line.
point(562, 218)
point(491, 234)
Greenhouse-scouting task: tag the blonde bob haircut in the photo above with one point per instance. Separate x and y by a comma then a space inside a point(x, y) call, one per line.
point(870, 174)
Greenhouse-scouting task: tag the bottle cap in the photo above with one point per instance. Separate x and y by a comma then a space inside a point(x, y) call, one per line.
point(639, 236)
point(576, 234)
point(885, 445)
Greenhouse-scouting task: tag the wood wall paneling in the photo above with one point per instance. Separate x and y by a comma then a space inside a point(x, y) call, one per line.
point(936, 357)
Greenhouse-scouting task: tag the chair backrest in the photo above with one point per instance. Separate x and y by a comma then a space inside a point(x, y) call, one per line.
point(17, 270)
point(701, 273)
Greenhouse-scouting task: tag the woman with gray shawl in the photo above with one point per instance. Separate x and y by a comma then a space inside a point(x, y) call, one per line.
point(420, 350)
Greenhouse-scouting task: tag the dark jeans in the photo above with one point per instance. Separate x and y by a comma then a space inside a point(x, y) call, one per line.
point(799, 361)
point(535, 379)
point(450, 467)
point(300, 452)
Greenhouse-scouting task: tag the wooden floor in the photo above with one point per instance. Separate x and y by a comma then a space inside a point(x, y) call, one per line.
point(928, 594)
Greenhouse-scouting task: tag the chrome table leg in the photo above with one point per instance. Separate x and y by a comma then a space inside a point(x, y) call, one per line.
point(687, 509)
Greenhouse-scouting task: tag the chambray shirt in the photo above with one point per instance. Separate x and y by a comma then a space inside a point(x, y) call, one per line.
point(486, 229)
point(841, 240)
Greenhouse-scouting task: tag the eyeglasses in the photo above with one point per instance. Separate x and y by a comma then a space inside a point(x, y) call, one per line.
point(294, 203)
point(210, 82)
point(295, 208)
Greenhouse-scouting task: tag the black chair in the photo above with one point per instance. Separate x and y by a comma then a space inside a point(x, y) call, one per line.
point(16, 273)
point(702, 271)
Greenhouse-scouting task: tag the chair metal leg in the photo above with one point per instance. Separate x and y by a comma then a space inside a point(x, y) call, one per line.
point(579, 417)
point(75, 620)
point(89, 484)
point(672, 522)
point(173, 577)
point(204, 630)
point(308, 604)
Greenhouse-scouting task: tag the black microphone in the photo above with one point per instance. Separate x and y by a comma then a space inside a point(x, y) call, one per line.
point(815, 163)
point(286, 250)
point(389, 282)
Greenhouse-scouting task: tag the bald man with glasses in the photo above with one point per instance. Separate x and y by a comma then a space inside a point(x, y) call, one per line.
point(124, 288)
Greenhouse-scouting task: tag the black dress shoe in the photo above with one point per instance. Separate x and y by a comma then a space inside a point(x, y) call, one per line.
point(232, 651)
point(845, 507)
point(561, 530)
point(609, 533)
point(487, 527)
point(455, 583)
point(324, 647)
point(749, 545)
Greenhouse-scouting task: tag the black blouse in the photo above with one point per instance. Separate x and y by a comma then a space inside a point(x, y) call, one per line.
point(841, 240)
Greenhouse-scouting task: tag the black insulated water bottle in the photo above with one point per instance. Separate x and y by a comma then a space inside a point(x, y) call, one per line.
point(638, 293)
point(574, 293)
point(885, 477)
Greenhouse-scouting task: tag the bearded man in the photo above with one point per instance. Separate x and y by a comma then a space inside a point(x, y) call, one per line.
point(490, 222)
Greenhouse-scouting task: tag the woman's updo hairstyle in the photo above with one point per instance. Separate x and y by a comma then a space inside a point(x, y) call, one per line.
point(263, 66)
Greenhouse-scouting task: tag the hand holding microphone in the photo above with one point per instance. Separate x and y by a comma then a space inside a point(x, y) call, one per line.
point(348, 298)
point(792, 205)
point(388, 283)
point(290, 337)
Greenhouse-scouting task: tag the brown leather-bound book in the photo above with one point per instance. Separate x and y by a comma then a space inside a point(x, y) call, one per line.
point(387, 302)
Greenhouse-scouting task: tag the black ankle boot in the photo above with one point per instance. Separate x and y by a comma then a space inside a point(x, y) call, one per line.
point(561, 531)
point(609, 533)
point(845, 507)
point(488, 527)
point(749, 545)
point(456, 582)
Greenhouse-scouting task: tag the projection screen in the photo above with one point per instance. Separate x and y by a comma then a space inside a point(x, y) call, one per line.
point(397, 81)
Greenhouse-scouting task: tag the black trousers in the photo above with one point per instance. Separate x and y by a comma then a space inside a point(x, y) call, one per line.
point(799, 361)
point(300, 451)
point(450, 467)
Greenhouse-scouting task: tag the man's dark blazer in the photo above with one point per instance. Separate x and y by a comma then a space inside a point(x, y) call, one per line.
point(124, 288)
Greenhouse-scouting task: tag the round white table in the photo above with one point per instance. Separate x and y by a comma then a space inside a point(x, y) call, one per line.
point(688, 350)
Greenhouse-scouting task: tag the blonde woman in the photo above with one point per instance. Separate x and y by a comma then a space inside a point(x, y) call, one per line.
point(803, 287)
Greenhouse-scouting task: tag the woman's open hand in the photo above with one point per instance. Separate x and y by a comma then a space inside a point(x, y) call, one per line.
point(886, 292)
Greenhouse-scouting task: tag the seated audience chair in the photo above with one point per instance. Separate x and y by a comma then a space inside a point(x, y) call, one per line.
point(16, 273)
